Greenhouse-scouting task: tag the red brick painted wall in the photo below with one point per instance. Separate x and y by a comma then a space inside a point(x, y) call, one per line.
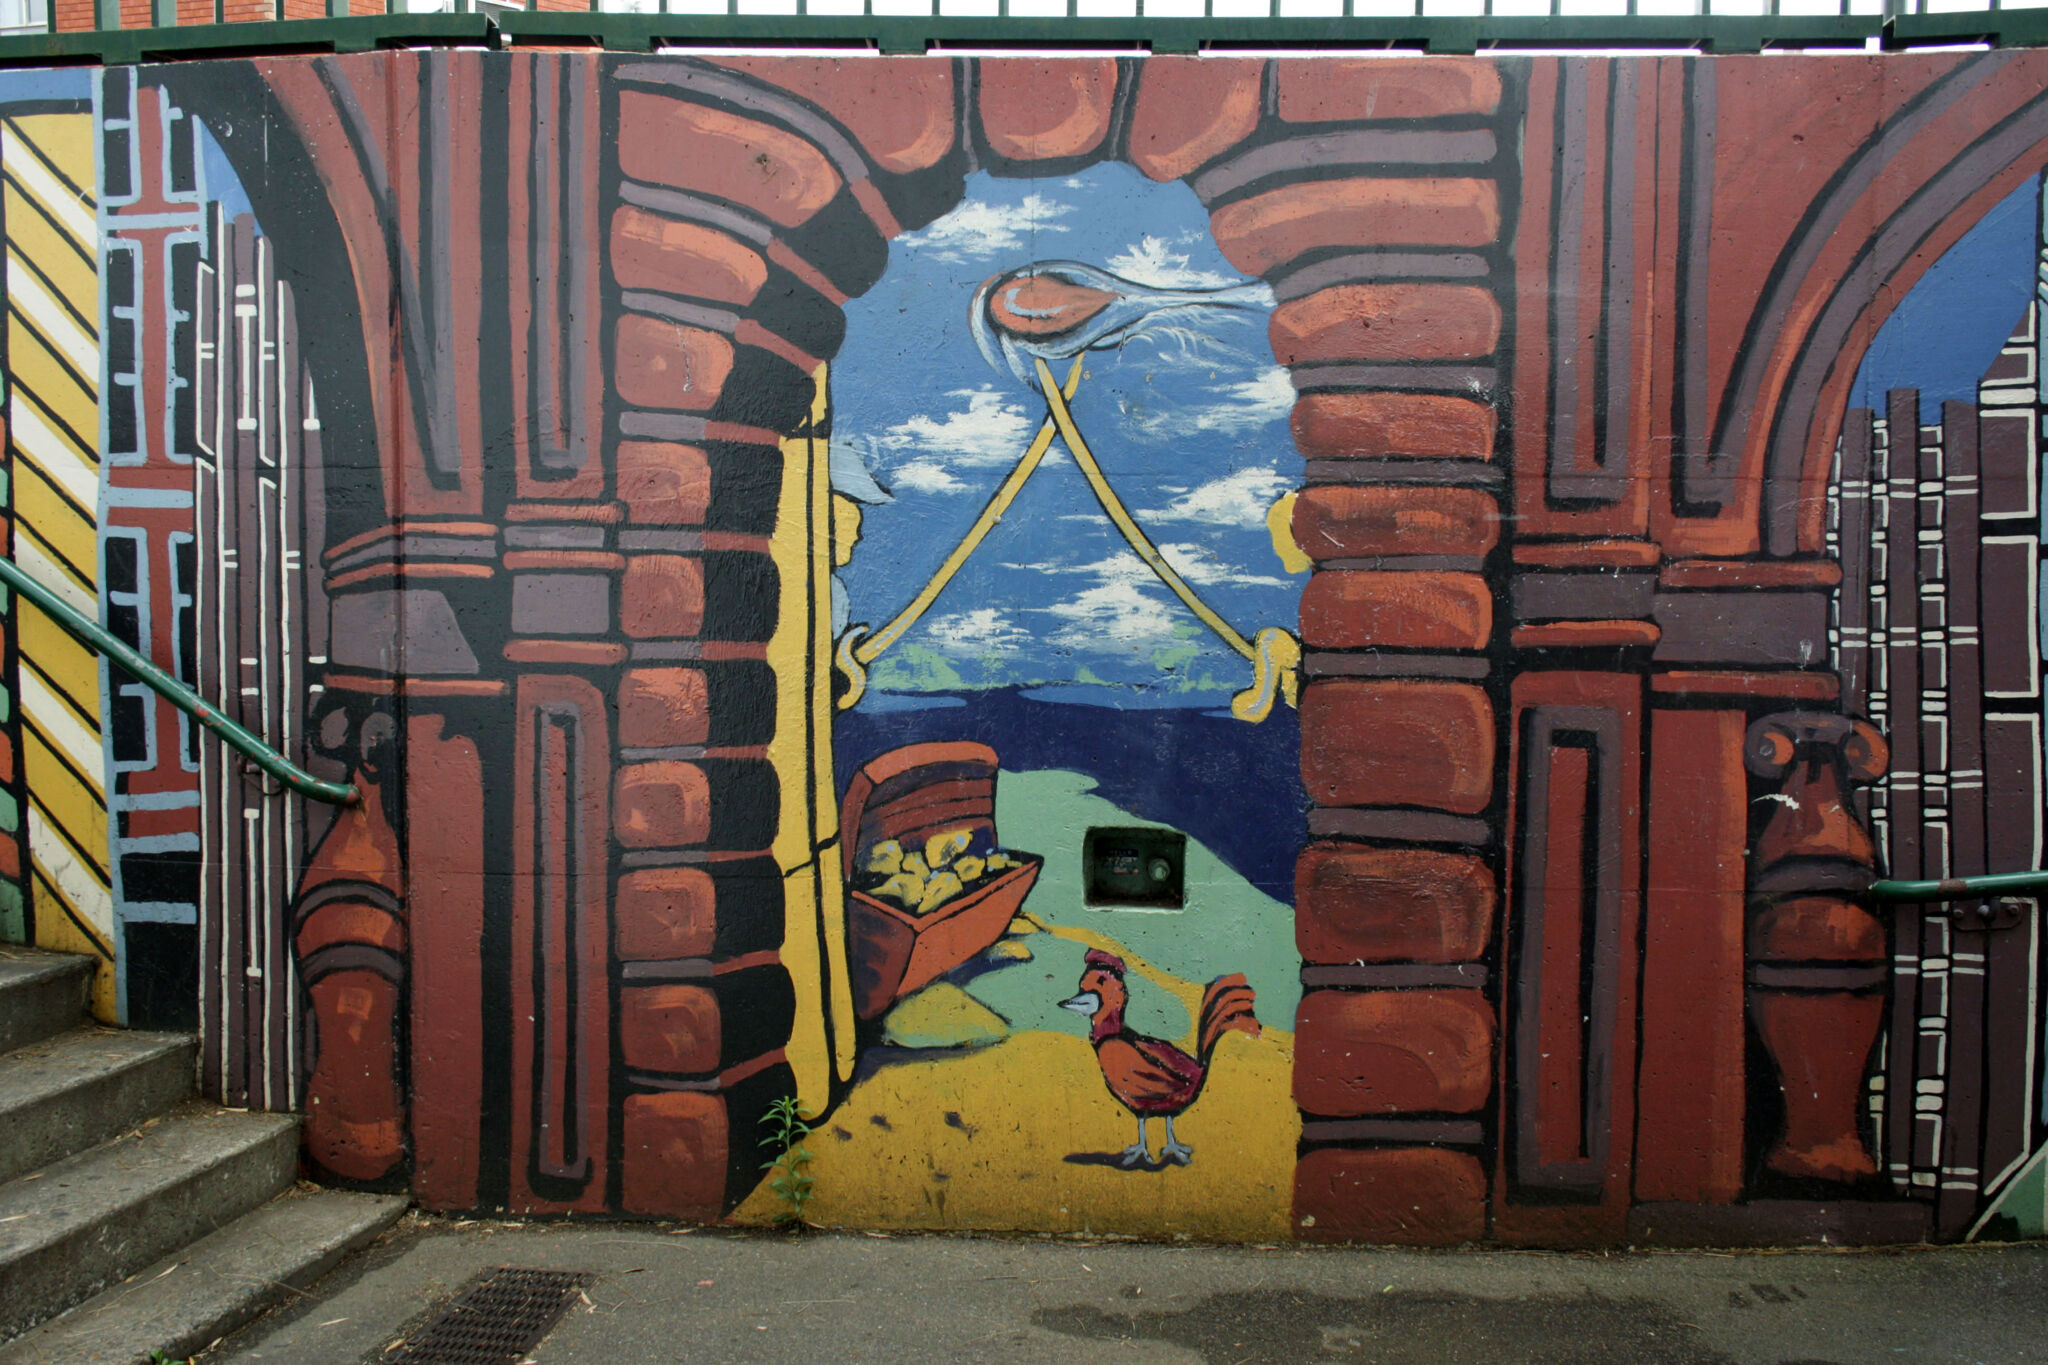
point(1569, 461)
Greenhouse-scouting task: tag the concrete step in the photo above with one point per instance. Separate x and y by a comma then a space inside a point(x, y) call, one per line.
point(41, 994)
point(72, 1228)
point(79, 1089)
point(195, 1296)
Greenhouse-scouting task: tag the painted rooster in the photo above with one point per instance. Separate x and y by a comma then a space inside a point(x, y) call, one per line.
point(1149, 1076)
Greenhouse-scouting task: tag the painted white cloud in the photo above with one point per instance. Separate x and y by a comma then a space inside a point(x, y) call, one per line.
point(1115, 618)
point(976, 632)
point(1128, 607)
point(1229, 410)
point(991, 430)
point(1152, 260)
point(1240, 498)
point(927, 476)
point(978, 230)
point(1199, 565)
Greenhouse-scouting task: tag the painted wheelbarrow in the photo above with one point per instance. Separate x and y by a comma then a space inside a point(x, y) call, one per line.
point(928, 885)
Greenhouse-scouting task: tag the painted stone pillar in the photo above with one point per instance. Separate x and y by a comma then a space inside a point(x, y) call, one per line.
point(1581, 586)
point(562, 606)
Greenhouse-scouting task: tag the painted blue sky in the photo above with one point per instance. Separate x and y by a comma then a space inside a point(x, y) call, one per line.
point(1946, 332)
point(1190, 428)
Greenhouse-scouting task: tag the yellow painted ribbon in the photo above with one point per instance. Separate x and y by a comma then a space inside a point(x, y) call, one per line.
point(1275, 654)
point(850, 666)
point(867, 651)
point(1277, 669)
point(1133, 535)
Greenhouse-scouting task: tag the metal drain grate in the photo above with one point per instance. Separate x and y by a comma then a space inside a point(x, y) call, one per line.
point(500, 1319)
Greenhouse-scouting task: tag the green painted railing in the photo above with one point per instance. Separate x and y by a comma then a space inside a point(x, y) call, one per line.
point(95, 636)
point(1962, 888)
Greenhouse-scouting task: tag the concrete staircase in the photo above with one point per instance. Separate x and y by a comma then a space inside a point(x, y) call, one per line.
point(157, 1220)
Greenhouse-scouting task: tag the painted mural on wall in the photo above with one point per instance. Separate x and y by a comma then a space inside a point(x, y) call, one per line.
point(1316, 648)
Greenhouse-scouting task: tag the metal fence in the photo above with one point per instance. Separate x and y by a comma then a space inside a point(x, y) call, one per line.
point(33, 31)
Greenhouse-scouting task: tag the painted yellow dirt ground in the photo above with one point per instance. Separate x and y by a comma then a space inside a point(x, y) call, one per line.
point(1023, 1133)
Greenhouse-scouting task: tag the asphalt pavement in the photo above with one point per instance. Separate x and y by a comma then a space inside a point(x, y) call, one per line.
point(653, 1293)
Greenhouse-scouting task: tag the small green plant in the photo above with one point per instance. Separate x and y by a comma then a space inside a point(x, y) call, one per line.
point(159, 1358)
point(792, 1182)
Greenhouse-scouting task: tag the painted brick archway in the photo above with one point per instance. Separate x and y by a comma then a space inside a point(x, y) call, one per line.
point(1568, 344)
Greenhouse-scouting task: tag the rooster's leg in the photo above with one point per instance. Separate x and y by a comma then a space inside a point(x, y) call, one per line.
point(1135, 1153)
point(1175, 1150)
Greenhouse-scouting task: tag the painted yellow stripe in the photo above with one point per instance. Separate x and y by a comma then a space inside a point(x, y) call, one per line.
point(38, 320)
point(45, 541)
point(54, 928)
point(61, 678)
point(68, 404)
point(57, 794)
point(56, 522)
point(53, 716)
point(53, 359)
point(56, 543)
point(56, 931)
point(75, 822)
point(54, 785)
point(31, 363)
point(64, 664)
point(68, 138)
point(78, 881)
point(57, 326)
point(67, 392)
point(25, 178)
point(74, 274)
point(53, 454)
point(29, 553)
point(58, 798)
point(65, 140)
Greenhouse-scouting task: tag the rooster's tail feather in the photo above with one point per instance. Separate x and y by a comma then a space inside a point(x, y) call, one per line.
point(1226, 1005)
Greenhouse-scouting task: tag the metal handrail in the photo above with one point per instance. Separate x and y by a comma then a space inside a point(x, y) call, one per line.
point(95, 636)
point(1961, 888)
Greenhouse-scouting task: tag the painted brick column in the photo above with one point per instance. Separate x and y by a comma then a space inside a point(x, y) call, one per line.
point(1391, 322)
point(702, 394)
point(739, 217)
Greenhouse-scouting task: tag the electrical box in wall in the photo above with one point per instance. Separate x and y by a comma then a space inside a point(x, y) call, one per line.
point(1136, 867)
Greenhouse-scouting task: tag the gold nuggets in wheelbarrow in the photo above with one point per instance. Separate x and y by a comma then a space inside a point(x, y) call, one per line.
point(923, 881)
point(928, 883)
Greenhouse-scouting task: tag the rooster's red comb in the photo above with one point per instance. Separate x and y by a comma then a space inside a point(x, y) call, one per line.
point(1109, 962)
